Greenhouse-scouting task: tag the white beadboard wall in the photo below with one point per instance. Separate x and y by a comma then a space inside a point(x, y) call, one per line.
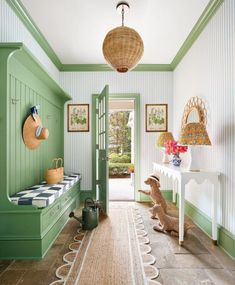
point(153, 87)
point(13, 30)
point(208, 71)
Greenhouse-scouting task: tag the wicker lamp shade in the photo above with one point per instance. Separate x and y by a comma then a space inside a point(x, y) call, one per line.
point(194, 134)
point(164, 137)
point(123, 48)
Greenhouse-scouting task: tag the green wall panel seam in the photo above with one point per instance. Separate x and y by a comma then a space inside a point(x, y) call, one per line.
point(22, 13)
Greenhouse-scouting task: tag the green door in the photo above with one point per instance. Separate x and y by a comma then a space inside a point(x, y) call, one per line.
point(102, 147)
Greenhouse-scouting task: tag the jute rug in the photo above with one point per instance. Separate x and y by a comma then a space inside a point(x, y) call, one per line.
point(114, 253)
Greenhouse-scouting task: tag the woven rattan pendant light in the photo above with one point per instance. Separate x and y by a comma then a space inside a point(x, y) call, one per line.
point(123, 46)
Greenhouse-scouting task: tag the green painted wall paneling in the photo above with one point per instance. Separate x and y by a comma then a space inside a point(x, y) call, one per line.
point(207, 14)
point(24, 83)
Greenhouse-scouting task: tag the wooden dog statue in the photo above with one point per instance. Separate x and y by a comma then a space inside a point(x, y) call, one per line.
point(155, 193)
point(168, 223)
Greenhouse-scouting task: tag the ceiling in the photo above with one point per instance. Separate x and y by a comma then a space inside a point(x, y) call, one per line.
point(75, 29)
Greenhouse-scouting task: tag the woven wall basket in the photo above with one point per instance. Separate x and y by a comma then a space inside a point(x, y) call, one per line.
point(123, 48)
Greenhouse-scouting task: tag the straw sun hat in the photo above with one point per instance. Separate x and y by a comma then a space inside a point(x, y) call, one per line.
point(154, 177)
point(33, 132)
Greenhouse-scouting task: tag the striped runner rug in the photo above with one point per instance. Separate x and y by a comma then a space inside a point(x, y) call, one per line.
point(114, 253)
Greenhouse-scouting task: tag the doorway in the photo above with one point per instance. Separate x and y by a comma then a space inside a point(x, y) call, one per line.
point(121, 150)
point(98, 130)
point(124, 146)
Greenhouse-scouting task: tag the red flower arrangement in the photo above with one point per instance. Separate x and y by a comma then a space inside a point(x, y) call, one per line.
point(172, 147)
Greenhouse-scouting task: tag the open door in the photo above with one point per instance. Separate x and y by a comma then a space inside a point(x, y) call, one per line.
point(102, 113)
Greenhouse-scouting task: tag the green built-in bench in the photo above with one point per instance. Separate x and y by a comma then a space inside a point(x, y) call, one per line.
point(37, 217)
point(27, 228)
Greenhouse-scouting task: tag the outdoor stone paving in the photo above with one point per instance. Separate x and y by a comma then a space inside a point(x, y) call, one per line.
point(120, 189)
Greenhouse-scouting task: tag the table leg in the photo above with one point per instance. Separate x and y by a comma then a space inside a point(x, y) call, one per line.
point(214, 211)
point(181, 189)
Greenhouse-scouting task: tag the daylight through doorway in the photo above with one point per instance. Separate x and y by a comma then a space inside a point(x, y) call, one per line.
point(121, 150)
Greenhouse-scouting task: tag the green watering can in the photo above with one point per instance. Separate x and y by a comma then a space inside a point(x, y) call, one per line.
point(90, 215)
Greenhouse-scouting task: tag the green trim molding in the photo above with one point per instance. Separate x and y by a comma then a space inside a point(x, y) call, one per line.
point(226, 240)
point(207, 14)
point(105, 67)
point(22, 13)
point(167, 194)
point(24, 16)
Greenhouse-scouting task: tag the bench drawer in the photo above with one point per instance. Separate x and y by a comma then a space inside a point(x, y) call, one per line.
point(50, 215)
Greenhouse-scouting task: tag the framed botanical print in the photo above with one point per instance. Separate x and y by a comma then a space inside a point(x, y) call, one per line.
point(78, 117)
point(156, 118)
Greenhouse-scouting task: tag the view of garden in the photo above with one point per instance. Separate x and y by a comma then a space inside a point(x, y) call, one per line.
point(120, 165)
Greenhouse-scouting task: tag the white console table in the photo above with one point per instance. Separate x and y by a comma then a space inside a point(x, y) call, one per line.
point(183, 176)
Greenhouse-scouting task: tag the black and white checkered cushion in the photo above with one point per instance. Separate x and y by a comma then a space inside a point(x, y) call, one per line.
point(43, 195)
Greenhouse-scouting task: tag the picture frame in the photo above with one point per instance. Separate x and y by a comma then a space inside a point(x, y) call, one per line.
point(78, 117)
point(156, 117)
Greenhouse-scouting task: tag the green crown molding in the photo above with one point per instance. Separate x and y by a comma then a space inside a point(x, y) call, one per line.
point(207, 14)
point(20, 10)
point(105, 67)
point(153, 67)
point(85, 67)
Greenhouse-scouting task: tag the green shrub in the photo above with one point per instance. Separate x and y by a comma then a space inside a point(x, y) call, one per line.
point(113, 157)
point(128, 154)
point(117, 158)
point(125, 159)
point(119, 169)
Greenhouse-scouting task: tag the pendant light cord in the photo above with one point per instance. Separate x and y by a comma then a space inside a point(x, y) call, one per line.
point(123, 11)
